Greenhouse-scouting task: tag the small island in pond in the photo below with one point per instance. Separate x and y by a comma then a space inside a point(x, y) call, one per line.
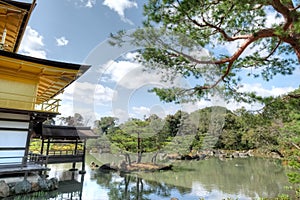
point(134, 167)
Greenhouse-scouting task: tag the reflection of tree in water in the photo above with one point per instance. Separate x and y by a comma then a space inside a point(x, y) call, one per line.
point(133, 187)
point(103, 179)
point(164, 190)
point(129, 188)
point(250, 177)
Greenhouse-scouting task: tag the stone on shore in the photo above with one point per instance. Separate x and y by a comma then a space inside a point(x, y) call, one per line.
point(54, 182)
point(22, 187)
point(46, 184)
point(4, 189)
point(35, 187)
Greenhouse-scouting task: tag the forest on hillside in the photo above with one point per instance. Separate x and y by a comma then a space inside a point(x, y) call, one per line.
point(275, 127)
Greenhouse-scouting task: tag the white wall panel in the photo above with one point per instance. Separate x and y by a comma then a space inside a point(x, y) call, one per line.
point(13, 138)
point(18, 156)
point(12, 124)
point(14, 116)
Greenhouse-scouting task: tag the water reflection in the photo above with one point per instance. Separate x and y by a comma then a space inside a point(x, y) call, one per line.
point(210, 179)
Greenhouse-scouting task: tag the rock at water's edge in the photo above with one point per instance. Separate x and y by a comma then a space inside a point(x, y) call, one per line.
point(4, 189)
point(23, 187)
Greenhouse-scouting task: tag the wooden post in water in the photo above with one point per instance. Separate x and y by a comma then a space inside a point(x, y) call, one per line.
point(83, 158)
point(75, 153)
point(42, 147)
point(47, 151)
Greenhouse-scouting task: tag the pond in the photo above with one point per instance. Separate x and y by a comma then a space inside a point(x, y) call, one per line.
point(248, 178)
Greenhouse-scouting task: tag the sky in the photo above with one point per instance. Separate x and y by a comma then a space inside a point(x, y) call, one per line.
point(78, 31)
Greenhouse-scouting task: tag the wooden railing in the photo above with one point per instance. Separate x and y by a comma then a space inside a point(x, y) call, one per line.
point(65, 152)
point(51, 105)
point(23, 161)
point(37, 158)
point(27, 102)
point(64, 156)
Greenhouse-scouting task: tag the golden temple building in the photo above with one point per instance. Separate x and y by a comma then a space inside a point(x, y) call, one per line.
point(28, 89)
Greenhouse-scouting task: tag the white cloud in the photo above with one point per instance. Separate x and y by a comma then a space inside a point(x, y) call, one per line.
point(90, 3)
point(84, 3)
point(131, 56)
point(88, 93)
point(233, 105)
point(85, 98)
point(190, 107)
point(66, 109)
point(260, 90)
point(32, 44)
point(273, 18)
point(120, 6)
point(62, 41)
point(132, 75)
point(129, 74)
point(117, 70)
point(141, 111)
point(121, 114)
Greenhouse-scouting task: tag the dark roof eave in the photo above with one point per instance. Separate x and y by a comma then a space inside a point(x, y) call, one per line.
point(63, 132)
point(22, 5)
point(57, 64)
point(23, 26)
point(29, 8)
point(67, 127)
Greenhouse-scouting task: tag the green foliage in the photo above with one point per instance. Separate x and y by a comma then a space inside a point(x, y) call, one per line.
point(105, 124)
point(175, 32)
point(76, 120)
point(36, 144)
point(275, 128)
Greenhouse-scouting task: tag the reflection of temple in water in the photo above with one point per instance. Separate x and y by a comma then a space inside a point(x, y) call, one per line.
point(70, 185)
point(70, 189)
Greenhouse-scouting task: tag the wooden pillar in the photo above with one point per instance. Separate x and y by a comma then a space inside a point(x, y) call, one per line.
point(24, 160)
point(42, 147)
point(40, 157)
point(81, 186)
point(47, 151)
point(83, 158)
point(75, 153)
point(76, 146)
point(48, 146)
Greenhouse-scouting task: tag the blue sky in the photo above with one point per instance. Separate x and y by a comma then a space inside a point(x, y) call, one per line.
point(77, 31)
point(84, 24)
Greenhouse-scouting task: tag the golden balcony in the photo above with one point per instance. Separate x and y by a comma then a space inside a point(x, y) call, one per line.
point(11, 100)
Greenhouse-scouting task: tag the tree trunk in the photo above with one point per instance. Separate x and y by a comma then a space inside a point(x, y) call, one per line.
point(127, 181)
point(139, 157)
point(153, 159)
point(127, 158)
point(139, 150)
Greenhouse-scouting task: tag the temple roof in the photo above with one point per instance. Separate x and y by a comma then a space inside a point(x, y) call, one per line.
point(14, 18)
point(52, 76)
point(67, 132)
